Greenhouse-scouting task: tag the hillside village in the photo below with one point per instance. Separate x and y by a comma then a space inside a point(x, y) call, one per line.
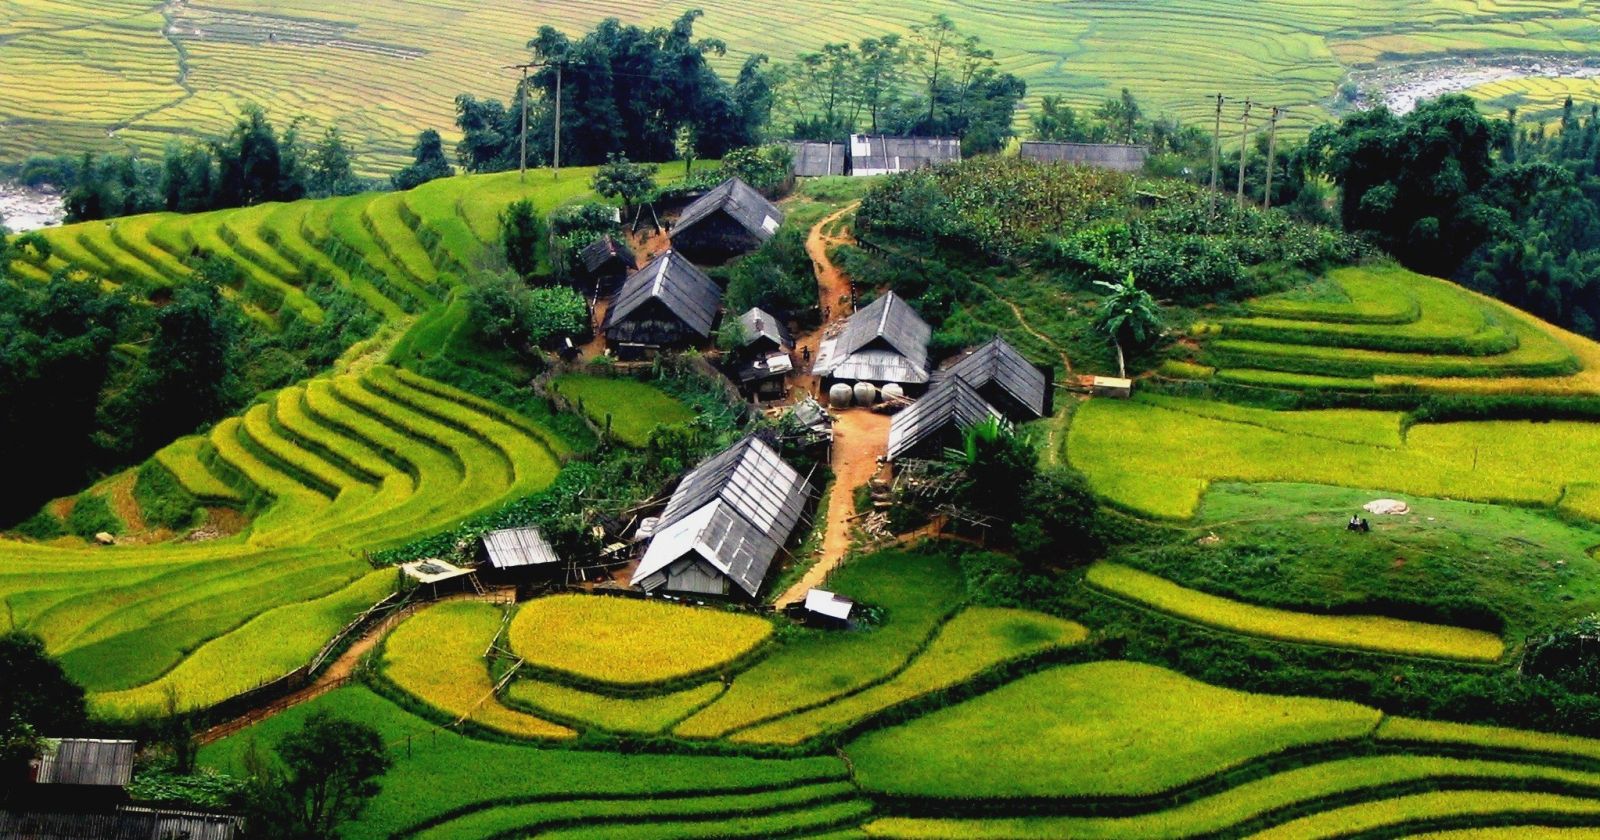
point(838, 447)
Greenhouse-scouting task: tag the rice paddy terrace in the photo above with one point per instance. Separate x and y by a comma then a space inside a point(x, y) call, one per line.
point(102, 73)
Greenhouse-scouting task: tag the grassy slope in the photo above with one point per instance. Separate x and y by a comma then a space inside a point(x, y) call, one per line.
point(630, 409)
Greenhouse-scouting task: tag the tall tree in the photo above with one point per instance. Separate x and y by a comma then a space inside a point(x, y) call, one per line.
point(521, 230)
point(934, 44)
point(331, 768)
point(332, 167)
point(190, 373)
point(429, 162)
point(1128, 316)
point(37, 699)
point(880, 72)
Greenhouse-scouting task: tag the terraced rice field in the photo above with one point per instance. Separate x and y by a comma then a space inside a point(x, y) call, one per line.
point(630, 410)
point(383, 71)
point(1157, 455)
point(335, 467)
point(1381, 327)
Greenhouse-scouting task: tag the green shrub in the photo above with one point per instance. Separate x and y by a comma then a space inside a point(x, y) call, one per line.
point(162, 499)
point(91, 515)
point(43, 525)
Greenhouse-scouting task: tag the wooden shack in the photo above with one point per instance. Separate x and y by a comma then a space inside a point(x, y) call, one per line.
point(937, 421)
point(886, 341)
point(604, 264)
point(731, 219)
point(668, 304)
point(1005, 379)
point(876, 154)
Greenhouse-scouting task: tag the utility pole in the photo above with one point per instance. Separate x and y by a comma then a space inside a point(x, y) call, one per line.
point(1216, 148)
point(1272, 156)
point(1244, 146)
point(557, 172)
point(522, 92)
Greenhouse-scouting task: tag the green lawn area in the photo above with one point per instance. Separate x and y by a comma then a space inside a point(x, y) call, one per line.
point(1285, 545)
point(1100, 729)
point(630, 408)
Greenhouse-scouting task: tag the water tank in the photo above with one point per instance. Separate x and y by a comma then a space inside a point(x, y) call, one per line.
point(866, 393)
point(893, 391)
point(839, 395)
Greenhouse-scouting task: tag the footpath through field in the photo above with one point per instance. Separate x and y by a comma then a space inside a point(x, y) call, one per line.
point(860, 437)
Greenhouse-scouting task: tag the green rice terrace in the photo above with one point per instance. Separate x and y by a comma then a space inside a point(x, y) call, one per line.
point(113, 73)
point(1218, 654)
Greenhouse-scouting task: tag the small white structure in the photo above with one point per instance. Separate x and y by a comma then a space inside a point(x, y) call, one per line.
point(1387, 507)
point(1111, 386)
point(828, 605)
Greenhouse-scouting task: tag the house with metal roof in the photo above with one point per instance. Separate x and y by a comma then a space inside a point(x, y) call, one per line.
point(813, 159)
point(606, 263)
point(1004, 378)
point(764, 334)
point(726, 522)
point(124, 823)
point(97, 762)
point(519, 552)
point(1117, 157)
point(876, 154)
point(668, 303)
point(727, 221)
point(937, 421)
point(886, 341)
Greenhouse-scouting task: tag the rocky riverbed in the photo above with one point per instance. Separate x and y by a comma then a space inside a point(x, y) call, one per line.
point(29, 208)
point(1402, 86)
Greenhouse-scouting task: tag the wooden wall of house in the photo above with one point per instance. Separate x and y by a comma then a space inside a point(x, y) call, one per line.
point(715, 239)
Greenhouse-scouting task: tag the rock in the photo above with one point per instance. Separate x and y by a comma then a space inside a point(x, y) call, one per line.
point(105, 538)
point(1387, 507)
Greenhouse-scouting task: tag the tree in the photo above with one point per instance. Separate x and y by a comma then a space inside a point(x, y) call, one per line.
point(995, 465)
point(620, 178)
point(331, 767)
point(506, 312)
point(1059, 522)
point(332, 167)
point(37, 699)
point(190, 374)
point(521, 230)
point(429, 162)
point(251, 163)
point(880, 71)
point(933, 44)
point(1127, 316)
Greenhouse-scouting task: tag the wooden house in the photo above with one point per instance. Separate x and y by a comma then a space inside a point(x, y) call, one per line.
point(937, 421)
point(729, 220)
point(726, 522)
point(520, 555)
point(1004, 378)
point(886, 341)
point(876, 154)
point(668, 304)
point(605, 263)
point(1117, 157)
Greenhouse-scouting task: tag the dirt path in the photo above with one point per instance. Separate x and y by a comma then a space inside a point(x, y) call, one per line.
point(860, 438)
point(833, 292)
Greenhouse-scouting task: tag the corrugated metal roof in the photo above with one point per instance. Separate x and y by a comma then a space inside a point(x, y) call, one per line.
point(759, 323)
point(885, 342)
point(670, 278)
point(513, 547)
point(950, 406)
point(86, 761)
point(597, 253)
point(740, 201)
point(1118, 157)
point(736, 510)
point(873, 154)
point(813, 159)
point(127, 823)
point(1000, 364)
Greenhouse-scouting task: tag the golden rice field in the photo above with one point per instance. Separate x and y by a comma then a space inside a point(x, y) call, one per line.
point(108, 73)
point(623, 642)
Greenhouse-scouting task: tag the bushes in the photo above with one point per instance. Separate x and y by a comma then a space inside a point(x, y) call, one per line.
point(91, 514)
point(1059, 520)
point(162, 499)
point(778, 277)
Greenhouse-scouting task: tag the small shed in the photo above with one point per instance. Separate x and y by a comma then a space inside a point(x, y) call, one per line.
point(828, 608)
point(937, 421)
point(1111, 386)
point(764, 377)
point(1117, 157)
point(606, 263)
point(731, 219)
point(814, 159)
point(437, 577)
point(94, 762)
point(764, 334)
point(887, 341)
point(124, 823)
point(519, 553)
point(1005, 379)
point(726, 522)
point(876, 154)
point(667, 304)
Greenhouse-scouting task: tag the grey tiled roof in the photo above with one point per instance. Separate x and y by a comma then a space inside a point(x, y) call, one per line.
point(758, 323)
point(950, 406)
point(513, 547)
point(741, 202)
point(597, 253)
point(1000, 364)
point(885, 342)
point(812, 159)
point(1117, 157)
point(736, 510)
point(677, 283)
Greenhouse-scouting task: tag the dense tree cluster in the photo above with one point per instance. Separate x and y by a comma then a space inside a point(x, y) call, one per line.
point(935, 81)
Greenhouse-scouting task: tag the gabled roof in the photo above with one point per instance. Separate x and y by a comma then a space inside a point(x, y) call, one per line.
point(514, 547)
point(597, 253)
point(759, 323)
point(736, 510)
point(1117, 157)
point(885, 342)
point(677, 283)
point(999, 363)
point(812, 159)
point(86, 761)
point(741, 202)
point(950, 404)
